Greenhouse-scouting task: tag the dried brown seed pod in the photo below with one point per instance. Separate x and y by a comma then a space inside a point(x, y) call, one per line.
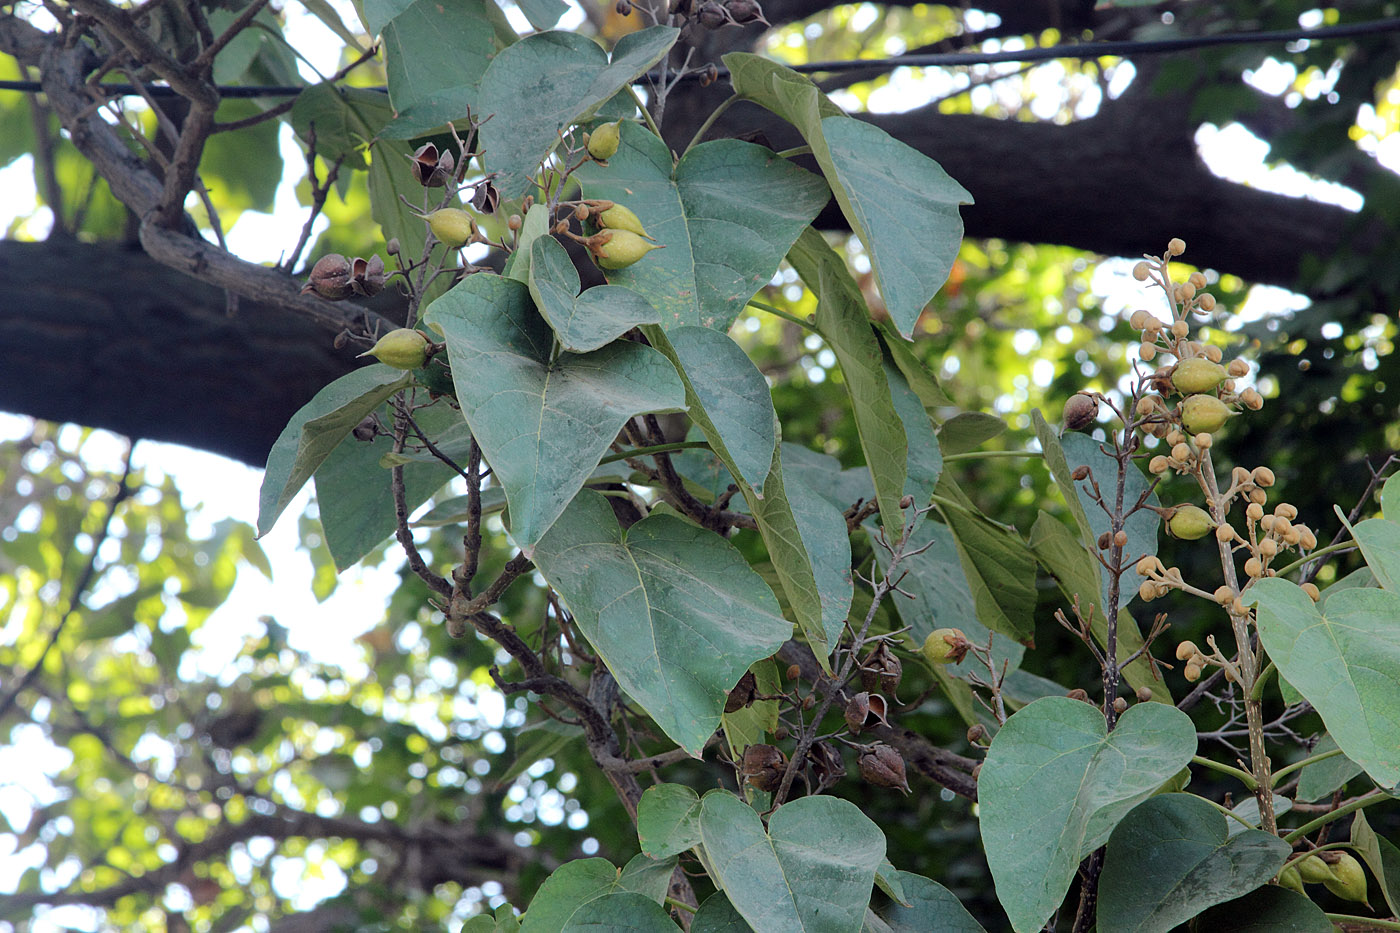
point(882, 766)
point(763, 766)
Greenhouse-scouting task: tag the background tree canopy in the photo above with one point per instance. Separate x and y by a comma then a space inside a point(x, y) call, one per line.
point(286, 793)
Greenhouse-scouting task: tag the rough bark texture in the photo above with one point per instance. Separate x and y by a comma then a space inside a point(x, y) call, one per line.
point(104, 335)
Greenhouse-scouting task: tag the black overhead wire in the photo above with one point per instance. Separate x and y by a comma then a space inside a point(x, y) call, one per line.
point(1124, 48)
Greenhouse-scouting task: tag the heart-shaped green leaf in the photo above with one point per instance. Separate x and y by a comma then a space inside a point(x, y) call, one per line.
point(623, 912)
point(726, 213)
point(316, 429)
point(542, 425)
point(588, 321)
point(668, 820)
point(901, 203)
point(566, 899)
point(811, 871)
point(1054, 785)
point(1194, 863)
point(930, 906)
point(542, 85)
point(674, 610)
point(1345, 661)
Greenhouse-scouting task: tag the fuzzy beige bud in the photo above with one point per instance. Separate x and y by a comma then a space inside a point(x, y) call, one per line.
point(1177, 246)
point(1313, 592)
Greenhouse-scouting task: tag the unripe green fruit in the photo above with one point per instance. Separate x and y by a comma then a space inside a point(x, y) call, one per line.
point(404, 348)
point(1348, 879)
point(1289, 878)
point(945, 646)
point(620, 249)
point(619, 217)
point(1314, 870)
point(1204, 414)
point(603, 142)
point(1190, 522)
point(451, 225)
point(1196, 375)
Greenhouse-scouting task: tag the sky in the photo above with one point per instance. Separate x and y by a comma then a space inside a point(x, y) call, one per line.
point(218, 488)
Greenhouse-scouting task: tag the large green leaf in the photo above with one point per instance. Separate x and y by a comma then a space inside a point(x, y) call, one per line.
point(811, 871)
point(1054, 785)
point(668, 820)
point(535, 225)
point(542, 425)
point(734, 395)
point(1172, 857)
point(844, 322)
point(355, 495)
point(929, 906)
point(1000, 570)
point(1059, 551)
point(565, 900)
point(542, 85)
point(316, 429)
point(1346, 662)
point(435, 54)
point(901, 203)
point(674, 610)
point(1270, 909)
point(623, 912)
point(726, 214)
point(587, 321)
point(740, 411)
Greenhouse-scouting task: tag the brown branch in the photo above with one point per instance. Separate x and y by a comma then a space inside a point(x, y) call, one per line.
point(124, 29)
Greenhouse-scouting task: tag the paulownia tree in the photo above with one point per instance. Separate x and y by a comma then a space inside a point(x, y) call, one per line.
point(651, 563)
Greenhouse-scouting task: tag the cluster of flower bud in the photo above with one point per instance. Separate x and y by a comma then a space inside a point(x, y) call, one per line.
point(1159, 580)
point(1268, 534)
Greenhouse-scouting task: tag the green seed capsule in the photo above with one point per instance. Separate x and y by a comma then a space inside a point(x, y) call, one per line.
point(404, 348)
point(1204, 414)
point(1197, 375)
point(619, 217)
point(603, 142)
point(451, 225)
point(621, 249)
point(1190, 522)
